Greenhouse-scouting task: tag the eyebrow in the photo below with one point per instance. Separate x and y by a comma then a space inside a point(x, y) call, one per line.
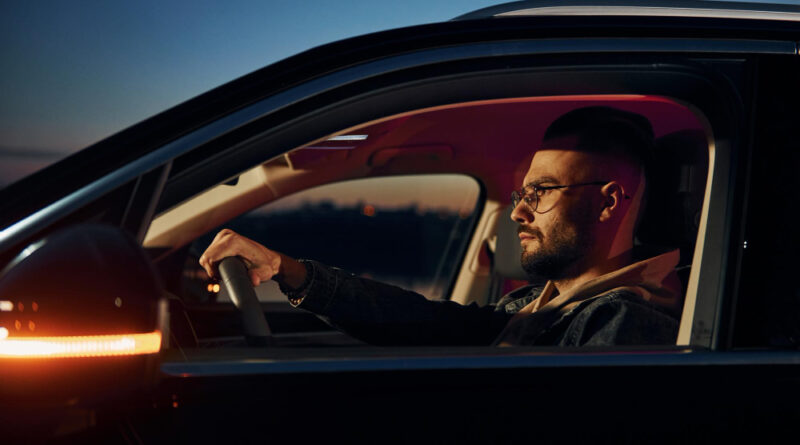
point(542, 180)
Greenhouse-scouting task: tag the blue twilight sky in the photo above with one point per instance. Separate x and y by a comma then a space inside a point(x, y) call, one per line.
point(76, 71)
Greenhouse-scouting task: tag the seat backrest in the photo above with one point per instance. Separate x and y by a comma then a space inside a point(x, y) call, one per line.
point(675, 202)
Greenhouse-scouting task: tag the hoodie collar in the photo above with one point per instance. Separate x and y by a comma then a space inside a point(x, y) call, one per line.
point(653, 279)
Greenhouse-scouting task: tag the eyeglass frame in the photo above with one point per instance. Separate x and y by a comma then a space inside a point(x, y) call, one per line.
point(518, 196)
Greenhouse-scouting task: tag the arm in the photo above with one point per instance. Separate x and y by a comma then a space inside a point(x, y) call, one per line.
point(374, 312)
point(380, 313)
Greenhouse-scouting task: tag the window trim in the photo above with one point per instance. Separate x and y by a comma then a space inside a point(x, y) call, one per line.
point(388, 80)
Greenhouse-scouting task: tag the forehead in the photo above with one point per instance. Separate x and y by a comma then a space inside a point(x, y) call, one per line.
point(562, 166)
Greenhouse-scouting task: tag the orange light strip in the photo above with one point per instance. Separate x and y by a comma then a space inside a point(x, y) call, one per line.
point(88, 346)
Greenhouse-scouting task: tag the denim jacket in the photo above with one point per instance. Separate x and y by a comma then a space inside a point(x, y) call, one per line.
point(383, 314)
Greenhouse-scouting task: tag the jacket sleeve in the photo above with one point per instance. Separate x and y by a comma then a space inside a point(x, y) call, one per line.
point(383, 314)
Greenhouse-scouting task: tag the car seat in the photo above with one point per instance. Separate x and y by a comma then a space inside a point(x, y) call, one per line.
point(675, 196)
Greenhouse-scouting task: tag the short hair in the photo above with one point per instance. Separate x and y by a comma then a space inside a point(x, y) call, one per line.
point(607, 130)
point(613, 132)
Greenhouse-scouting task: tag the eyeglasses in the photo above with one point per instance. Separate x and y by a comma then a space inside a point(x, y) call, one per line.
point(538, 198)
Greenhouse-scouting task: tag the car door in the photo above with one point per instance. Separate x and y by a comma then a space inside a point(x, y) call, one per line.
point(713, 66)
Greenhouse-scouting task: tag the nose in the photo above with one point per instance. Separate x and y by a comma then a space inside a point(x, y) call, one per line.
point(521, 214)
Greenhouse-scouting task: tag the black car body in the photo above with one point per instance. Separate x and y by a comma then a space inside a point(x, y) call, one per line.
point(727, 71)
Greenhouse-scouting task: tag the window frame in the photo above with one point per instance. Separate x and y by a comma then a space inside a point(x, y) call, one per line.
point(222, 149)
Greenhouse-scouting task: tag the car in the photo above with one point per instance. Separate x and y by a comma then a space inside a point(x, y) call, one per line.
point(111, 332)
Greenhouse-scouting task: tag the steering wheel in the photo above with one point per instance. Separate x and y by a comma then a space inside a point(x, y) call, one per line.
point(237, 282)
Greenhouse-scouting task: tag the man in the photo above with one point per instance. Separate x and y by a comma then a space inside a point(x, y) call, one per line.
point(577, 212)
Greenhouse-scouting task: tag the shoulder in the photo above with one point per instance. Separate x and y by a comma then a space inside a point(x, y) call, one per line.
point(619, 318)
point(512, 302)
point(621, 300)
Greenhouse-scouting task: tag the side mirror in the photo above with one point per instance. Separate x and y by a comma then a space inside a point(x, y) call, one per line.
point(82, 322)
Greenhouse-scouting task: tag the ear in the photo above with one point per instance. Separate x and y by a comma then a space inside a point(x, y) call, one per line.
point(612, 195)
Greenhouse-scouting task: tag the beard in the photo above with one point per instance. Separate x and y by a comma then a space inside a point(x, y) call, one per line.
point(566, 244)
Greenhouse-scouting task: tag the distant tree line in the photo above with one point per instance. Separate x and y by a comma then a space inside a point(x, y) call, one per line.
point(405, 245)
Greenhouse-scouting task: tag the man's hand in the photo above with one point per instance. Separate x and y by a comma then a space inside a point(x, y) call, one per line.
point(262, 264)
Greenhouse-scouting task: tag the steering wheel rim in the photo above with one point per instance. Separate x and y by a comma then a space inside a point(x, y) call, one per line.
point(237, 283)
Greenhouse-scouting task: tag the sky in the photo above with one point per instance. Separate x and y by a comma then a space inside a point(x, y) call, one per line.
point(76, 71)
point(456, 193)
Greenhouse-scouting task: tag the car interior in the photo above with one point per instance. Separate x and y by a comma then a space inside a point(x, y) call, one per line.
point(394, 157)
point(489, 143)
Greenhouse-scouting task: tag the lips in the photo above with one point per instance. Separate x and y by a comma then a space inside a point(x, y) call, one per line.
point(528, 234)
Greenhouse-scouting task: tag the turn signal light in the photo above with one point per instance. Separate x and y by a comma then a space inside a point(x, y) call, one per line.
point(83, 346)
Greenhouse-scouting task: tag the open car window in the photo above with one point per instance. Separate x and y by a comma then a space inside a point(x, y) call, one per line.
point(429, 208)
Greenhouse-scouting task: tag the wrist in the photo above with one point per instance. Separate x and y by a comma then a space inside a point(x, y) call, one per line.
point(297, 293)
point(292, 274)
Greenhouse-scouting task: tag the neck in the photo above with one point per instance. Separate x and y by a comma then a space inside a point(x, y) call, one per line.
point(589, 269)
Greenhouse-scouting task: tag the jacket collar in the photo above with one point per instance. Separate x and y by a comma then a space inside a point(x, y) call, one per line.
point(653, 279)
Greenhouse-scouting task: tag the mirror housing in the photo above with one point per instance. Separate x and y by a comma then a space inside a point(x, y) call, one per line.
point(82, 321)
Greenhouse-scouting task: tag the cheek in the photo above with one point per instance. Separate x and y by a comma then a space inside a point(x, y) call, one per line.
point(558, 229)
point(551, 222)
point(577, 216)
point(587, 209)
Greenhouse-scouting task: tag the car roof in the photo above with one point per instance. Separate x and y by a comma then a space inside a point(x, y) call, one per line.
point(652, 8)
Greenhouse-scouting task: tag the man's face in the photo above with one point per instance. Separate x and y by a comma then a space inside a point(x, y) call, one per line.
point(555, 240)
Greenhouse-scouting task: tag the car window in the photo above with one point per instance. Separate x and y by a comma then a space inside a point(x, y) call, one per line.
point(419, 242)
point(410, 231)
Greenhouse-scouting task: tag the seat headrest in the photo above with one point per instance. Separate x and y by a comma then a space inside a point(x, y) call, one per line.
point(675, 193)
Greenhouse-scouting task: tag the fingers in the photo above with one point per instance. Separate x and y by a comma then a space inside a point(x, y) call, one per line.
point(207, 259)
point(226, 243)
point(261, 262)
point(254, 277)
point(262, 273)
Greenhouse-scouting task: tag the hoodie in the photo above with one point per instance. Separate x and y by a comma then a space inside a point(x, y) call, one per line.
point(636, 304)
